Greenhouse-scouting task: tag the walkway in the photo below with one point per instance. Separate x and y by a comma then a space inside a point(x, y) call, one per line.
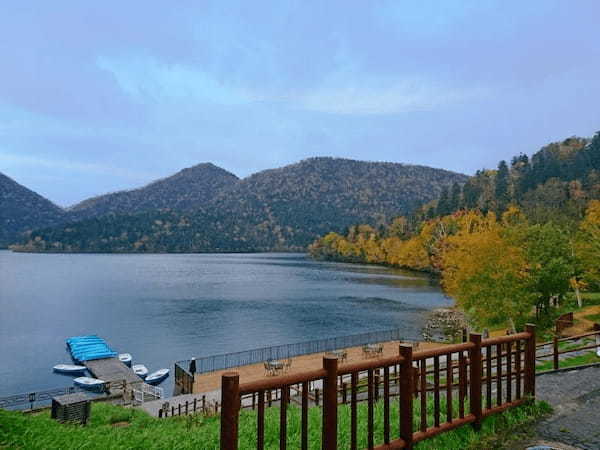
point(575, 397)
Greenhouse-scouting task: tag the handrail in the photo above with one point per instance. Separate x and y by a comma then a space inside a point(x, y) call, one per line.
point(281, 381)
point(439, 351)
point(368, 365)
point(505, 339)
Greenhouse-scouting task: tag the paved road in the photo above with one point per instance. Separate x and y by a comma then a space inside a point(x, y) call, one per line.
point(575, 397)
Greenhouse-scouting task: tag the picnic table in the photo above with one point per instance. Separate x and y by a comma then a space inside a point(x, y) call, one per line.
point(275, 366)
point(372, 350)
point(341, 355)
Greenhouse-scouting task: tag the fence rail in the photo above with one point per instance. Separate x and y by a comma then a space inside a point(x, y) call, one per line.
point(555, 348)
point(229, 360)
point(37, 399)
point(446, 384)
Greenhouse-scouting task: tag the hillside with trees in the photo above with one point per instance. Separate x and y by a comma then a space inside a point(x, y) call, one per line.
point(21, 210)
point(281, 209)
point(188, 189)
point(510, 240)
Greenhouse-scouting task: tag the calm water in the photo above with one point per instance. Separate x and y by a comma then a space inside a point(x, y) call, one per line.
point(164, 308)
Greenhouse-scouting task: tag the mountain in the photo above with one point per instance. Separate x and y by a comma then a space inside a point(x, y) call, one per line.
point(22, 209)
point(278, 209)
point(554, 185)
point(187, 189)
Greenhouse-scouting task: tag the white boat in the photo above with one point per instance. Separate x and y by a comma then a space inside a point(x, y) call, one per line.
point(68, 368)
point(125, 358)
point(88, 383)
point(140, 370)
point(157, 377)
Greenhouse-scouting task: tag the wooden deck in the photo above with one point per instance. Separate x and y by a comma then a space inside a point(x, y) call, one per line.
point(212, 381)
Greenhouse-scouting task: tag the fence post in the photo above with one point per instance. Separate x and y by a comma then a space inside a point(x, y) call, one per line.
point(230, 405)
point(529, 384)
point(330, 364)
point(406, 395)
point(555, 351)
point(475, 379)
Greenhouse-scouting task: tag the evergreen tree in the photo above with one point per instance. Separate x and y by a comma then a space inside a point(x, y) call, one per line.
point(443, 207)
point(455, 197)
point(471, 193)
point(501, 187)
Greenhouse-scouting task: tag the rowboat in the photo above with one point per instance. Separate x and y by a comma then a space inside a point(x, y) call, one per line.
point(88, 383)
point(125, 358)
point(68, 368)
point(140, 370)
point(157, 377)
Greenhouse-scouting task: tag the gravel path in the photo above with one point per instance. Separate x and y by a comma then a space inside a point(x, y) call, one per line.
point(575, 397)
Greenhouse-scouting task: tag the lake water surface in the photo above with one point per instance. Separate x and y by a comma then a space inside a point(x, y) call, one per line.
point(165, 308)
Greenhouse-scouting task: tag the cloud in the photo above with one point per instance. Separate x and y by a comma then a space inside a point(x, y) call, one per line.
point(385, 97)
point(11, 159)
point(146, 79)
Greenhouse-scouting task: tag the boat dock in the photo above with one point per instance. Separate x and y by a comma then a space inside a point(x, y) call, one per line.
point(112, 370)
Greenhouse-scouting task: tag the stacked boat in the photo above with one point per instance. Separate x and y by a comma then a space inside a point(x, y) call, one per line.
point(92, 347)
point(88, 348)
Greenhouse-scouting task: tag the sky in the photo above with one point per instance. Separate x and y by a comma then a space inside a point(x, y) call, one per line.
point(102, 96)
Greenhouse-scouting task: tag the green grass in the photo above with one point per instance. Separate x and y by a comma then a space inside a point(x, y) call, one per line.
point(587, 358)
point(567, 345)
point(113, 427)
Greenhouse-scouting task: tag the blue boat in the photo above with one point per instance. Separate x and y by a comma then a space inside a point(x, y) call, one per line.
point(86, 348)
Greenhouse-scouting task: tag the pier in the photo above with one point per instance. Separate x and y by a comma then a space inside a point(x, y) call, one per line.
point(112, 370)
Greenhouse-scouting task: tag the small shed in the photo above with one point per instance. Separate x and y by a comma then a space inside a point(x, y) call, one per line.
point(74, 408)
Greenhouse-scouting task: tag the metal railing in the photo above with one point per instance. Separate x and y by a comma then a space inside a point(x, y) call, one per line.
point(37, 399)
point(229, 360)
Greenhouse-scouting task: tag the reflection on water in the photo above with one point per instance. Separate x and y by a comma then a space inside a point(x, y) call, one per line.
point(163, 308)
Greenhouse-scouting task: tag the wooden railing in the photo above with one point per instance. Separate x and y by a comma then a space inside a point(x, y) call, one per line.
point(505, 363)
point(564, 321)
point(557, 351)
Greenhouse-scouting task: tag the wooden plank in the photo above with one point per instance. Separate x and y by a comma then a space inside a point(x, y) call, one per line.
point(423, 388)
point(436, 392)
point(353, 412)
point(370, 412)
point(386, 405)
point(449, 382)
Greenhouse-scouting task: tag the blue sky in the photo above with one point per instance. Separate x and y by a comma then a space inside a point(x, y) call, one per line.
point(102, 96)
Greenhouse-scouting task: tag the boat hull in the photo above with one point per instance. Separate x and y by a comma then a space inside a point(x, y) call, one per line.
point(157, 377)
point(68, 369)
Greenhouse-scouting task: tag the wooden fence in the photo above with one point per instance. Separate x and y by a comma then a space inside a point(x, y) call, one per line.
point(504, 365)
point(563, 322)
point(557, 351)
point(184, 380)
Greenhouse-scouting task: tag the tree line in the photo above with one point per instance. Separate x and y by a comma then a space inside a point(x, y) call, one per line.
point(507, 243)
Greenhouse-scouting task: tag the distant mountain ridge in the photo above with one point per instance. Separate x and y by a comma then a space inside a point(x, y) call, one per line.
point(187, 189)
point(205, 208)
point(22, 209)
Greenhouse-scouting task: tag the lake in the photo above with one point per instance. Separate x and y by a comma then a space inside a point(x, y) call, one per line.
point(164, 308)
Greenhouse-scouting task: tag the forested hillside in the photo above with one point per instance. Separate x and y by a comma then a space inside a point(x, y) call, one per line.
point(508, 240)
point(554, 184)
point(22, 209)
point(278, 209)
point(190, 188)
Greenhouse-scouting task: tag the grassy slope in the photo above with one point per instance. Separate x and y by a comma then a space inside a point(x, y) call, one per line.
point(114, 427)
